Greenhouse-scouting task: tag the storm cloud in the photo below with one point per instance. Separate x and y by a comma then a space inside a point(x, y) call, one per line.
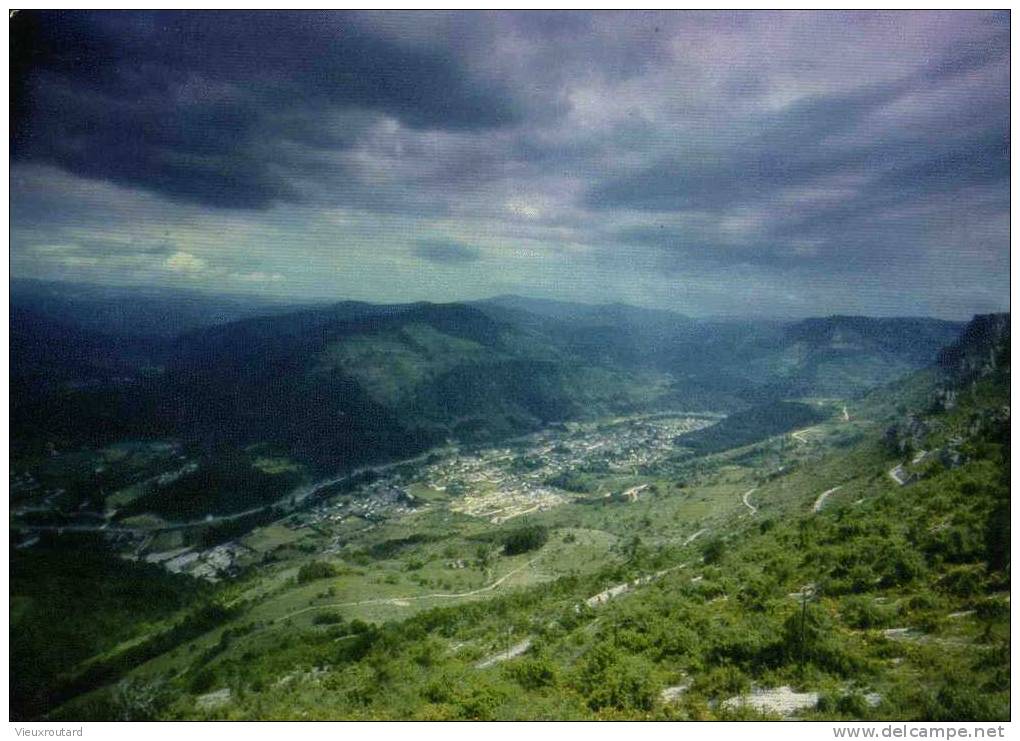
point(794, 163)
point(206, 106)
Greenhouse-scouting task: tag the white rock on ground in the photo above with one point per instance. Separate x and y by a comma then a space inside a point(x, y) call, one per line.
point(213, 699)
point(506, 655)
point(781, 700)
point(902, 634)
point(672, 694)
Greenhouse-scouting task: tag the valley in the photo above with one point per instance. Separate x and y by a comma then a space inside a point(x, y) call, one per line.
point(616, 561)
point(527, 475)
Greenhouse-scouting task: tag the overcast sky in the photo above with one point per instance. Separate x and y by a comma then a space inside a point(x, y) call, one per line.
point(782, 164)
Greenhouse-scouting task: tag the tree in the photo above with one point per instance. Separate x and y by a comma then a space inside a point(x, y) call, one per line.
point(714, 551)
point(524, 539)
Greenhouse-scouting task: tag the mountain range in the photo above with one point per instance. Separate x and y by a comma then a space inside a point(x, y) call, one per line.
point(341, 384)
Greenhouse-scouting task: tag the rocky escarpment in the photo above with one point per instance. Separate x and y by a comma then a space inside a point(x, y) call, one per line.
point(980, 353)
point(981, 350)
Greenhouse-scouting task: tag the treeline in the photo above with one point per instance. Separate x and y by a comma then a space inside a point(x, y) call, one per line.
point(751, 425)
point(72, 599)
point(226, 481)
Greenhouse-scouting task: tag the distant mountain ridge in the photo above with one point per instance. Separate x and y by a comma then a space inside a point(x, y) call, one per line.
point(154, 311)
point(351, 382)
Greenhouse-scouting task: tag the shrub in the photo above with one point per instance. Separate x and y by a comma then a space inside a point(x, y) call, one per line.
point(610, 680)
point(714, 551)
point(903, 565)
point(202, 681)
point(327, 617)
point(481, 704)
point(992, 610)
point(851, 704)
point(809, 637)
point(722, 681)
point(963, 581)
point(315, 570)
point(862, 612)
point(524, 539)
point(960, 701)
point(532, 673)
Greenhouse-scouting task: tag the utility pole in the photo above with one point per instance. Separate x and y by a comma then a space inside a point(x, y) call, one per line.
point(806, 593)
point(803, 617)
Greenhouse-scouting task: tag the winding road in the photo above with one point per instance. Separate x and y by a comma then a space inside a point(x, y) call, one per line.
point(298, 495)
point(820, 502)
point(404, 601)
point(749, 492)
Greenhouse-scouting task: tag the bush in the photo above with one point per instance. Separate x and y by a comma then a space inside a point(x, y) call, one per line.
point(862, 612)
point(963, 581)
point(315, 570)
point(849, 704)
point(202, 681)
point(961, 701)
point(481, 704)
point(532, 673)
point(714, 551)
point(524, 539)
point(992, 610)
point(809, 637)
point(327, 617)
point(610, 680)
point(902, 566)
point(722, 681)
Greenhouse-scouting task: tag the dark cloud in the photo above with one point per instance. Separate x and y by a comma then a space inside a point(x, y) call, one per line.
point(446, 252)
point(207, 107)
point(801, 145)
point(824, 189)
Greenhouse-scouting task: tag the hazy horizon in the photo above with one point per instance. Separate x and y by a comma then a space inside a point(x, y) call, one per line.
point(326, 300)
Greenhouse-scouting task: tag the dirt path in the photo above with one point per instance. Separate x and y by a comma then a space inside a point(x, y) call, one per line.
point(608, 594)
point(405, 601)
point(695, 536)
point(498, 520)
point(799, 436)
point(820, 502)
point(749, 492)
point(632, 492)
point(515, 650)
